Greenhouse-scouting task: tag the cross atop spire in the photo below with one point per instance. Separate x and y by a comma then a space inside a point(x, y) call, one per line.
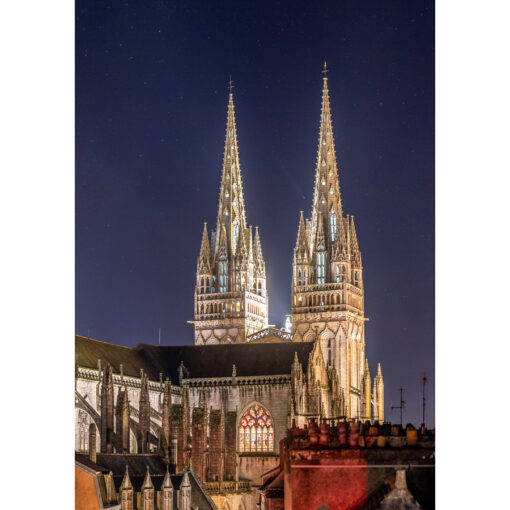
point(230, 84)
point(325, 70)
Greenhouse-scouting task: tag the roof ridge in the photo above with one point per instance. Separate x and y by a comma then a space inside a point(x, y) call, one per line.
point(103, 342)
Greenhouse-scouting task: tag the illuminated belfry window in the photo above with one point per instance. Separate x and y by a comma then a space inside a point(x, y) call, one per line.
point(338, 276)
point(333, 226)
point(320, 266)
point(256, 432)
point(236, 232)
point(223, 276)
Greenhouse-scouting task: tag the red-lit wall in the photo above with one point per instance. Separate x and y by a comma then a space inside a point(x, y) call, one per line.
point(338, 484)
point(85, 496)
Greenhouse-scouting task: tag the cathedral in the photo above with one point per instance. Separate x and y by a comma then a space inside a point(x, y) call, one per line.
point(214, 413)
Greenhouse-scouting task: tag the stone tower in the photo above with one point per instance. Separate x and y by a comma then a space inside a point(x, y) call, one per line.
point(230, 293)
point(327, 281)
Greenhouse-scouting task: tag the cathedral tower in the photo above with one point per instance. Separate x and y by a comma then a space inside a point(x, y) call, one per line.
point(327, 281)
point(230, 293)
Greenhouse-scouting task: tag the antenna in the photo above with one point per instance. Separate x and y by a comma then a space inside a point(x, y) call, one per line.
point(159, 337)
point(401, 406)
point(424, 382)
point(230, 84)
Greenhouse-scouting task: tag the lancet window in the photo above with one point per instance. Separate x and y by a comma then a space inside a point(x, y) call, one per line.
point(320, 267)
point(333, 226)
point(256, 432)
point(223, 276)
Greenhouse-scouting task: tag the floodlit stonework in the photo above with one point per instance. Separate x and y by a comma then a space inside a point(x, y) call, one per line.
point(327, 282)
point(217, 410)
point(230, 293)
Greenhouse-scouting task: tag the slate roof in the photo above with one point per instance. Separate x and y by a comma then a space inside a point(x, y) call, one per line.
point(137, 464)
point(201, 361)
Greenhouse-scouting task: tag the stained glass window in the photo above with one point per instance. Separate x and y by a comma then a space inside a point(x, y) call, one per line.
point(256, 430)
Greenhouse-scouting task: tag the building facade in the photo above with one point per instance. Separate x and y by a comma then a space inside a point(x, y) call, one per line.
point(230, 294)
point(222, 405)
point(327, 282)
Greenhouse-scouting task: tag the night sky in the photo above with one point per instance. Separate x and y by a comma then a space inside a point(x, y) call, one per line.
point(151, 104)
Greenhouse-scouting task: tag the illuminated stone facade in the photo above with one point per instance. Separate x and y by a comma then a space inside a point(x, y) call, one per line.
point(230, 293)
point(223, 409)
point(327, 283)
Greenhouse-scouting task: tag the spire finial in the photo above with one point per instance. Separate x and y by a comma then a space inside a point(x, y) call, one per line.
point(325, 71)
point(230, 84)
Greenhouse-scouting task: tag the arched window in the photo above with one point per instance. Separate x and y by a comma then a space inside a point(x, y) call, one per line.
point(256, 432)
point(338, 277)
point(333, 226)
point(356, 282)
point(236, 234)
point(320, 267)
point(223, 276)
point(299, 277)
point(83, 424)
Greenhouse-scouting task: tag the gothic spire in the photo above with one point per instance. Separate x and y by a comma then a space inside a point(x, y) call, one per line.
point(167, 481)
point(320, 238)
point(301, 249)
point(147, 483)
point(231, 211)
point(221, 233)
point(204, 260)
point(258, 258)
point(126, 481)
point(355, 253)
point(326, 199)
point(242, 251)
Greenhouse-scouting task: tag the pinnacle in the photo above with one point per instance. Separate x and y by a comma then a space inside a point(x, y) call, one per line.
point(167, 482)
point(147, 483)
point(126, 481)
